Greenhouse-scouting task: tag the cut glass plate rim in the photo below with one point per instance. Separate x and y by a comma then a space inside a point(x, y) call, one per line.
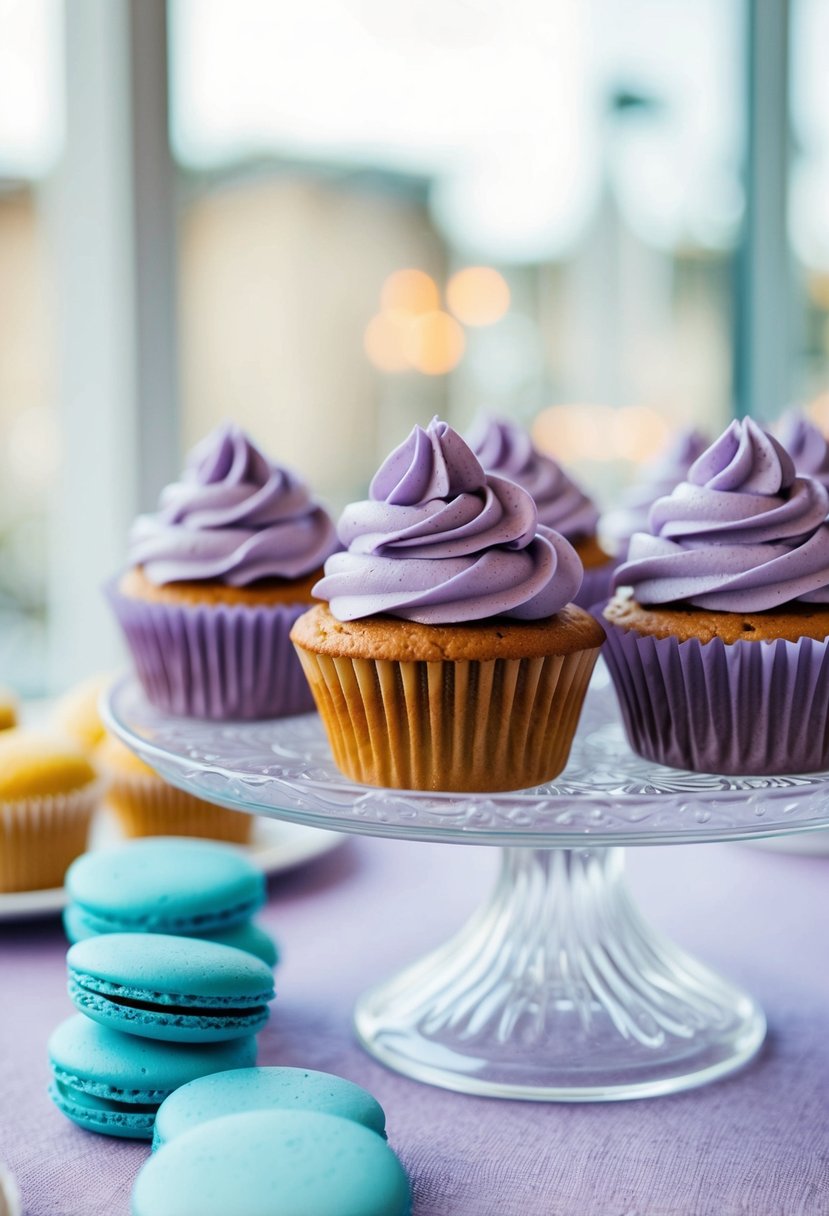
point(579, 809)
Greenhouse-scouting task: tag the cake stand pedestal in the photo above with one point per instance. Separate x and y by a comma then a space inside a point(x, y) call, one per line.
point(557, 989)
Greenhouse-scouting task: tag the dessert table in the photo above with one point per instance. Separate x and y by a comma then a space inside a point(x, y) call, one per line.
point(754, 1144)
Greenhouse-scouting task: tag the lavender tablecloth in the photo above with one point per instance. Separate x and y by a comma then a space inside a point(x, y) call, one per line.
point(755, 1145)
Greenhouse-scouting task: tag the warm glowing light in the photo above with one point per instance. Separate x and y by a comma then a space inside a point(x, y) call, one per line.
point(575, 432)
point(478, 295)
point(599, 432)
point(385, 340)
point(410, 291)
point(434, 343)
point(639, 433)
point(818, 411)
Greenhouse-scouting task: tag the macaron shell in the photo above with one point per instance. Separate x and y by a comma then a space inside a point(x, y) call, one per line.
point(248, 936)
point(252, 1089)
point(166, 884)
point(275, 1163)
point(97, 1115)
point(179, 989)
point(99, 1074)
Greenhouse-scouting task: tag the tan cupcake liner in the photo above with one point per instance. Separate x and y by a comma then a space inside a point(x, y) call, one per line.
point(470, 725)
point(148, 806)
point(41, 837)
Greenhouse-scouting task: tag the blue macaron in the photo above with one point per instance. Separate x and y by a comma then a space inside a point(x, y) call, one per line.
point(114, 1083)
point(164, 885)
point(249, 936)
point(274, 1163)
point(179, 989)
point(251, 1089)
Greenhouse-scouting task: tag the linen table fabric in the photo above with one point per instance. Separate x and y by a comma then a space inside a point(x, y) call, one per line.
point(756, 1144)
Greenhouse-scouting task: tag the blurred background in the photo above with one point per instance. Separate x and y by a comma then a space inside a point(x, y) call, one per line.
point(331, 219)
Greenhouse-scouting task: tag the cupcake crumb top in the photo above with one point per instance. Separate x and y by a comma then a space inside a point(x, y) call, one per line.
point(389, 638)
point(35, 764)
point(792, 623)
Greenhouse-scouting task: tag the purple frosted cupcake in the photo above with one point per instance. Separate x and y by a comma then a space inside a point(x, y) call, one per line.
point(449, 655)
point(217, 578)
point(506, 449)
point(717, 636)
point(658, 479)
point(806, 445)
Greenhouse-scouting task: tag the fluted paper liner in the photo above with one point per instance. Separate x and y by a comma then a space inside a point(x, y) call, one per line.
point(752, 708)
point(470, 725)
point(41, 837)
point(149, 806)
point(221, 661)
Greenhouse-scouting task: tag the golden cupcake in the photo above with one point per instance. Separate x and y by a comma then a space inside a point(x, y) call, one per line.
point(48, 792)
point(147, 805)
point(448, 655)
point(8, 708)
point(76, 713)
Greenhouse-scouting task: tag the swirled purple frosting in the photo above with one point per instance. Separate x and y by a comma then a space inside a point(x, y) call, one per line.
point(744, 533)
point(440, 542)
point(806, 445)
point(506, 450)
point(656, 480)
point(234, 517)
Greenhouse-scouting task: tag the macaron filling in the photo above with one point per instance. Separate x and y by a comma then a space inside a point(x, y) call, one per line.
point(99, 921)
point(91, 993)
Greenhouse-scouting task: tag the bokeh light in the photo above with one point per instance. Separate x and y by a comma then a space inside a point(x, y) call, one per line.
point(573, 433)
point(384, 340)
point(639, 433)
point(411, 291)
point(478, 295)
point(434, 343)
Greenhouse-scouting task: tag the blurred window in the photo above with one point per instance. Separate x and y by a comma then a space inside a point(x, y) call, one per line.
point(30, 140)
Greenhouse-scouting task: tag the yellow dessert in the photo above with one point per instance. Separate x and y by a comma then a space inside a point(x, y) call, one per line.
point(48, 791)
point(8, 709)
point(76, 714)
point(147, 805)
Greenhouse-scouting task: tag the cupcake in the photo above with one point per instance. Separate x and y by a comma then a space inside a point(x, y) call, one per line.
point(217, 578)
point(656, 480)
point(506, 450)
point(8, 708)
point(147, 805)
point(76, 713)
point(48, 791)
point(717, 635)
point(806, 445)
point(448, 655)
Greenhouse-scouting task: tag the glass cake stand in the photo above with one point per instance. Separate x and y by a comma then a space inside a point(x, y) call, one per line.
point(557, 989)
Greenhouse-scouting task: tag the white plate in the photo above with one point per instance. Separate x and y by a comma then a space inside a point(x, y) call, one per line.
point(274, 847)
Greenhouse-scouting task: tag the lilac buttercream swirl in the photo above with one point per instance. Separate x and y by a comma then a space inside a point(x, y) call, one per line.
point(806, 445)
point(744, 533)
point(507, 450)
point(234, 517)
point(440, 542)
point(655, 481)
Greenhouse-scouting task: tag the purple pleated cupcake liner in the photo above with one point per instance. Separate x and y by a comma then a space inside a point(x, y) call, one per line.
point(746, 708)
point(216, 661)
point(596, 584)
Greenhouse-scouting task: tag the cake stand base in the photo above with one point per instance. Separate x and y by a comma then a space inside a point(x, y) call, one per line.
point(558, 990)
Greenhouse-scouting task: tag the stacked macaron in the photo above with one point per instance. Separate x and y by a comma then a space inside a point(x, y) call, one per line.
point(171, 976)
point(271, 1141)
point(190, 888)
